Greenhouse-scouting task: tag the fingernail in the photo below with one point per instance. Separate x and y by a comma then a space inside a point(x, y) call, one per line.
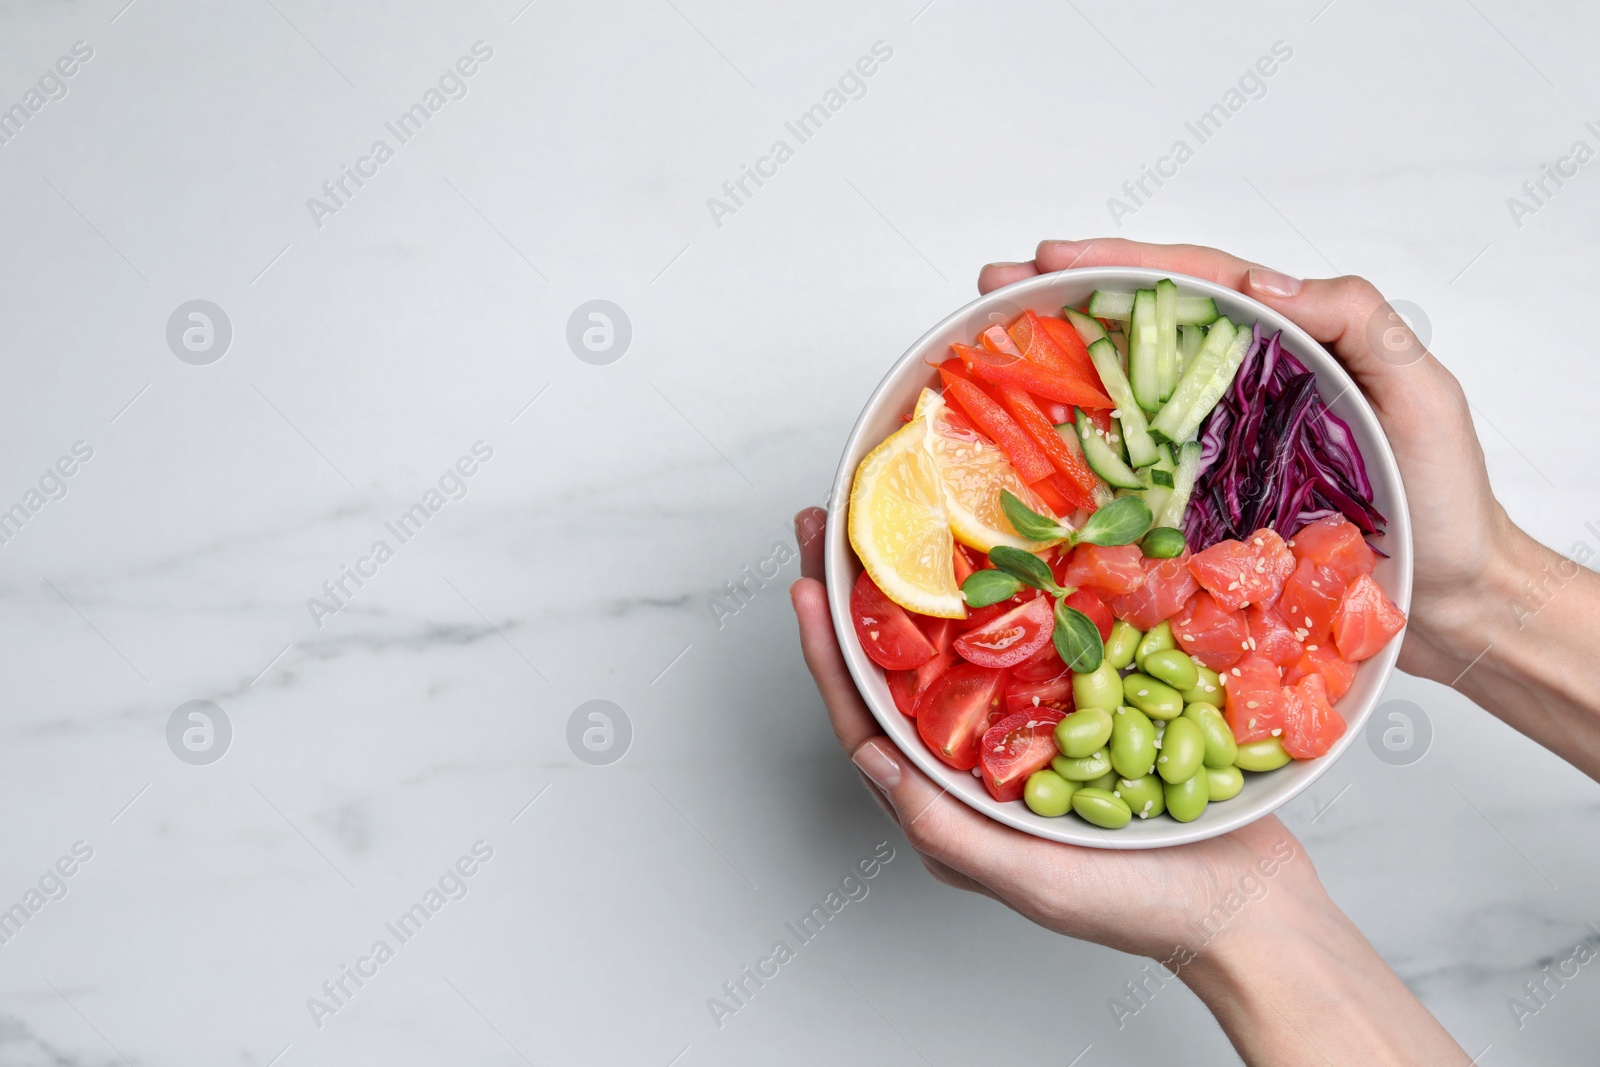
point(1270, 281)
point(876, 764)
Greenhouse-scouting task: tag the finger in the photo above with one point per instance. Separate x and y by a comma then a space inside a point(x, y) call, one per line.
point(995, 275)
point(809, 524)
point(852, 722)
point(1196, 260)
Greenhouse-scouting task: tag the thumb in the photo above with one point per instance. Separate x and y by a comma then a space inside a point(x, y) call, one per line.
point(1350, 316)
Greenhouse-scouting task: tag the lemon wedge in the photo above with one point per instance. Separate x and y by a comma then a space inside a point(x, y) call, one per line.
point(972, 470)
point(900, 528)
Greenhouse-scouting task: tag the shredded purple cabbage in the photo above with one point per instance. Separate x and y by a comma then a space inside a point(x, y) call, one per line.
point(1272, 454)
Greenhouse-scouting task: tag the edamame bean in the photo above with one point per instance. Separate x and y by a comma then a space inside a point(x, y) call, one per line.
point(1081, 770)
point(1158, 640)
point(1083, 733)
point(1186, 800)
point(1156, 699)
point(1225, 782)
point(1122, 644)
point(1173, 667)
point(1107, 781)
point(1145, 797)
point(1264, 755)
point(1221, 748)
point(1183, 748)
point(1047, 793)
point(1100, 688)
point(1208, 690)
point(1164, 542)
point(1101, 808)
point(1133, 743)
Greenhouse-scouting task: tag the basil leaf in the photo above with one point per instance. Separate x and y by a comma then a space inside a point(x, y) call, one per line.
point(986, 587)
point(1077, 640)
point(1121, 522)
point(1024, 566)
point(1029, 523)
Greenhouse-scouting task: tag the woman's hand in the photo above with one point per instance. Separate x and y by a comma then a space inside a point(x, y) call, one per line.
point(1493, 613)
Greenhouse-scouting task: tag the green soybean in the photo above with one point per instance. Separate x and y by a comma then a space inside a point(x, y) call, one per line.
point(1183, 749)
point(1156, 699)
point(1146, 797)
point(1047, 793)
point(1225, 782)
point(1173, 667)
point(1083, 733)
point(1221, 748)
point(1100, 688)
point(1164, 542)
point(1208, 690)
point(1122, 644)
point(1264, 755)
point(1157, 640)
point(1107, 781)
point(1186, 800)
point(1081, 770)
point(1133, 743)
point(1101, 808)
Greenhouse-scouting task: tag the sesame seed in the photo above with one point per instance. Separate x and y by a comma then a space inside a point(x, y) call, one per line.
point(1252, 723)
point(1252, 703)
point(1311, 648)
point(1308, 622)
point(1236, 673)
point(873, 634)
point(1245, 645)
point(1277, 733)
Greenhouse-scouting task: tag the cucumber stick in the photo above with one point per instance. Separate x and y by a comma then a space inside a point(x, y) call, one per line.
point(1167, 335)
point(1118, 307)
point(1204, 381)
point(1190, 338)
point(1088, 329)
point(1102, 458)
point(1135, 433)
point(1144, 351)
point(1171, 513)
point(1068, 432)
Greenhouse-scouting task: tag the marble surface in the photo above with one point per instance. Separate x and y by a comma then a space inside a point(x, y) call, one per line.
point(376, 339)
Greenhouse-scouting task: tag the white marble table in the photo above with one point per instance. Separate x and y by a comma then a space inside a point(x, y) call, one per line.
point(383, 330)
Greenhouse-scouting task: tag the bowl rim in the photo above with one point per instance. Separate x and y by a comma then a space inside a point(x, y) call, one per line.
point(838, 556)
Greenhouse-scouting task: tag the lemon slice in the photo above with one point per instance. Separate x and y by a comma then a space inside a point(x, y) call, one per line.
point(899, 526)
point(972, 471)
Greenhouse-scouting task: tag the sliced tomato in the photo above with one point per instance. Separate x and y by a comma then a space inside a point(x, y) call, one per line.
point(1010, 639)
point(1251, 571)
point(1041, 666)
point(1075, 478)
point(1014, 748)
point(1309, 601)
point(888, 635)
point(1095, 609)
point(1337, 672)
point(1271, 637)
point(962, 563)
point(1366, 620)
point(953, 713)
point(1066, 338)
point(989, 417)
point(1211, 633)
point(1254, 705)
point(1041, 381)
point(1335, 543)
point(1311, 724)
point(977, 618)
point(1049, 694)
point(941, 633)
point(1111, 571)
point(903, 688)
point(1168, 584)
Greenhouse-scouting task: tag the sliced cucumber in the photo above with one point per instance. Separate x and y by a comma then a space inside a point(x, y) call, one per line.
point(1171, 514)
point(1135, 433)
point(1118, 307)
point(1088, 329)
point(1068, 433)
point(1167, 335)
point(1204, 381)
point(1144, 352)
point(1101, 459)
point(1190, 338)
point(1119, 341)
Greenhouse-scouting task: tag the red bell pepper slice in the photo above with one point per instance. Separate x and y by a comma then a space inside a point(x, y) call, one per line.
point(1005, 370)
point(996, 340)
point(1078, 478)
point(1066, 338)
point(1002, 429)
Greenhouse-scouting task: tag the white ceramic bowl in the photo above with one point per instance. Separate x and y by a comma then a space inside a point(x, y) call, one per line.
point(1046, 294)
